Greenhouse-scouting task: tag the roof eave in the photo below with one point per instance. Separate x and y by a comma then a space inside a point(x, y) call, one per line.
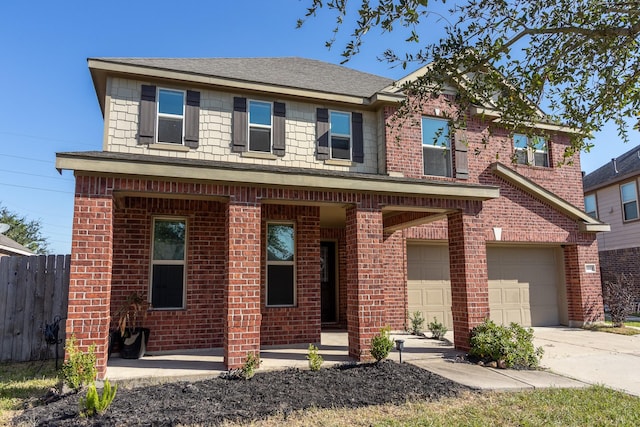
point(262, 177)
point(585, 222)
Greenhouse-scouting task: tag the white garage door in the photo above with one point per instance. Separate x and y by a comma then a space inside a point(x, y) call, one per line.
point(429, 289)
point(523, 284)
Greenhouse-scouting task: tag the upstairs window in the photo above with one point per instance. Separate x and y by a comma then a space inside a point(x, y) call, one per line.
point(629, 197)
point(260, 122)
point(281, 290)
point(168, 263)
point(436, 147)
point(170, 116)
point(530, 151)
point(340, 135)
point(590, 206)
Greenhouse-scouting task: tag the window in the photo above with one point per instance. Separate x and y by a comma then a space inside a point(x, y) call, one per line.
point(629, 201)
point(280, 264)
point(436, 147)
point(530, 151)
point(340, 135)
point(590, 206)
point(168, 263)
point(170, 116)
point(260, 126)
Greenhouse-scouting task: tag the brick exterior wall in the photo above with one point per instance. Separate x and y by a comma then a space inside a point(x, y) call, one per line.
point(618, 261)
point(584, 292)
point(394, 262)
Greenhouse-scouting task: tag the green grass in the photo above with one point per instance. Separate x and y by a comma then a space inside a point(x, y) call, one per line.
point(595, 405)
point(22, 383)
point(636, 324)
point(608, 327)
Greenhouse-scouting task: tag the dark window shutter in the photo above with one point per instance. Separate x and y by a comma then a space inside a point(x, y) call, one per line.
point(192, 119)
point(240, 126)
point(461, 155)
point(279, 113)
point(147, 118)
point(358, 138)
point(322, 133)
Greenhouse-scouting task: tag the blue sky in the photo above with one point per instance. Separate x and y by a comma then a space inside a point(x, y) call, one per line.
point(47, 100)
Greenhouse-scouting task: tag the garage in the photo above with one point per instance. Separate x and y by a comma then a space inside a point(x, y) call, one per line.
point(428, 285)
point(524, 284)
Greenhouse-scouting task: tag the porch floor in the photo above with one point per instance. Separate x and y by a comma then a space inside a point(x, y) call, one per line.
point(206, 363)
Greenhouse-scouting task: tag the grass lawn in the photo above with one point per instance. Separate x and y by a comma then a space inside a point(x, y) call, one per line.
point(22, 383)
point(560, 407)
point(608, 327)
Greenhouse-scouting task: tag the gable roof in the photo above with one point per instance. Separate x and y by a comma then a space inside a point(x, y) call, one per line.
point(626, 166)
point(11, 247)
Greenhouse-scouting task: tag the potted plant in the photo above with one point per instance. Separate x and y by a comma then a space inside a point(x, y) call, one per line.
point(133, 338)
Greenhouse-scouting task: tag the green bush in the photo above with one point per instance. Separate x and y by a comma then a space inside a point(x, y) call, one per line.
point(437, 329)
point(79, 368)
point(251, 363)
point(511, 345)
point(94, 403)
point(315, 360)
point(417, 323)
point(382, 344)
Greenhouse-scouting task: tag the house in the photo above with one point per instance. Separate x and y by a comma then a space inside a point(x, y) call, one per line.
point(256, 200)
point(611, 195)
point(9, 247)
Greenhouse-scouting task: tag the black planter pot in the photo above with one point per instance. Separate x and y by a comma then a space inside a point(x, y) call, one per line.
point(134, 343)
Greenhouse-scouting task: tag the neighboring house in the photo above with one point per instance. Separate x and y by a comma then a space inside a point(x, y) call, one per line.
point(9, 247)
point(255, 200)
point(611, 195)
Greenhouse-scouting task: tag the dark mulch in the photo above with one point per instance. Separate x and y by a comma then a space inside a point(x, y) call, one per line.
point(210, 402)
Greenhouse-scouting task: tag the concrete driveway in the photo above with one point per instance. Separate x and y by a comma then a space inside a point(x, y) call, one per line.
point(592, 357)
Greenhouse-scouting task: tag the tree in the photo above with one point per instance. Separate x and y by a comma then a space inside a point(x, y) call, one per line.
point(579, 59)
point(23, 231)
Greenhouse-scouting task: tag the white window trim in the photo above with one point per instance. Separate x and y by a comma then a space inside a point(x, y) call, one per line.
point(595, 203)
point(342, 135)
point(532, 150)
point(622, 202)
point(292, 263)
point(170, 116)
point(182, 262)
point(432, 145)
point(259, 126)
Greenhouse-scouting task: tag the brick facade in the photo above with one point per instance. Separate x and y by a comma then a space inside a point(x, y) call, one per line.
point(617, 261)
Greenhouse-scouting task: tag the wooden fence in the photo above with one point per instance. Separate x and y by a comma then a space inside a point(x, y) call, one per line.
point(33, 293)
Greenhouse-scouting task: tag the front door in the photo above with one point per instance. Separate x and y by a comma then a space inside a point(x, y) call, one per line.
point(328, 282)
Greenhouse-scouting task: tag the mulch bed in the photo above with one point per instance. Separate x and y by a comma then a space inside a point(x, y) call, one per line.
point(210, 402)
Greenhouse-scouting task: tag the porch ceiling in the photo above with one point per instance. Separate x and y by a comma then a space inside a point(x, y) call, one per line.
point(106, 163)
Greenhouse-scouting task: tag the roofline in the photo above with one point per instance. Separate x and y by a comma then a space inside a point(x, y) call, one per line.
point(15, 250)
point(611, 182)
point(101, 68)
point(226, 173)
point(586, 223)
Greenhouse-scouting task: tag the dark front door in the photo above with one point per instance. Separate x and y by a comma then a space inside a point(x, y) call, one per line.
point(328, 282)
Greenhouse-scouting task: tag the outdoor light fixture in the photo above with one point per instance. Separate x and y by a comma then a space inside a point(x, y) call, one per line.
point(400, 347)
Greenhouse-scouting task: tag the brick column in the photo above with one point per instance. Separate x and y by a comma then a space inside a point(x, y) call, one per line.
point(90, 276)
point(242, 282)
point(395, 280)
point(584, 290)
point(365, 297)
point(469, 279)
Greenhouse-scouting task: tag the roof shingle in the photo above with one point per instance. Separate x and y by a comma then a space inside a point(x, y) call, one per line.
point(627, 165)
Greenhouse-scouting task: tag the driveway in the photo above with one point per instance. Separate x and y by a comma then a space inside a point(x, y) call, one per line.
point(592, 357)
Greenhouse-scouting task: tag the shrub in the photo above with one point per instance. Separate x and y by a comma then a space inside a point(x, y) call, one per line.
point(315, 360)
point(79, 368)
point(619, 298)
point(94, 403)
point(511, 345)
point(437, 329)
point(251, 363)
point(417, 323)
point(382, 344)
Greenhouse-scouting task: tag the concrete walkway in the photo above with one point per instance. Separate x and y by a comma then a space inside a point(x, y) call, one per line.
point(436, 356)
point(592, 357)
